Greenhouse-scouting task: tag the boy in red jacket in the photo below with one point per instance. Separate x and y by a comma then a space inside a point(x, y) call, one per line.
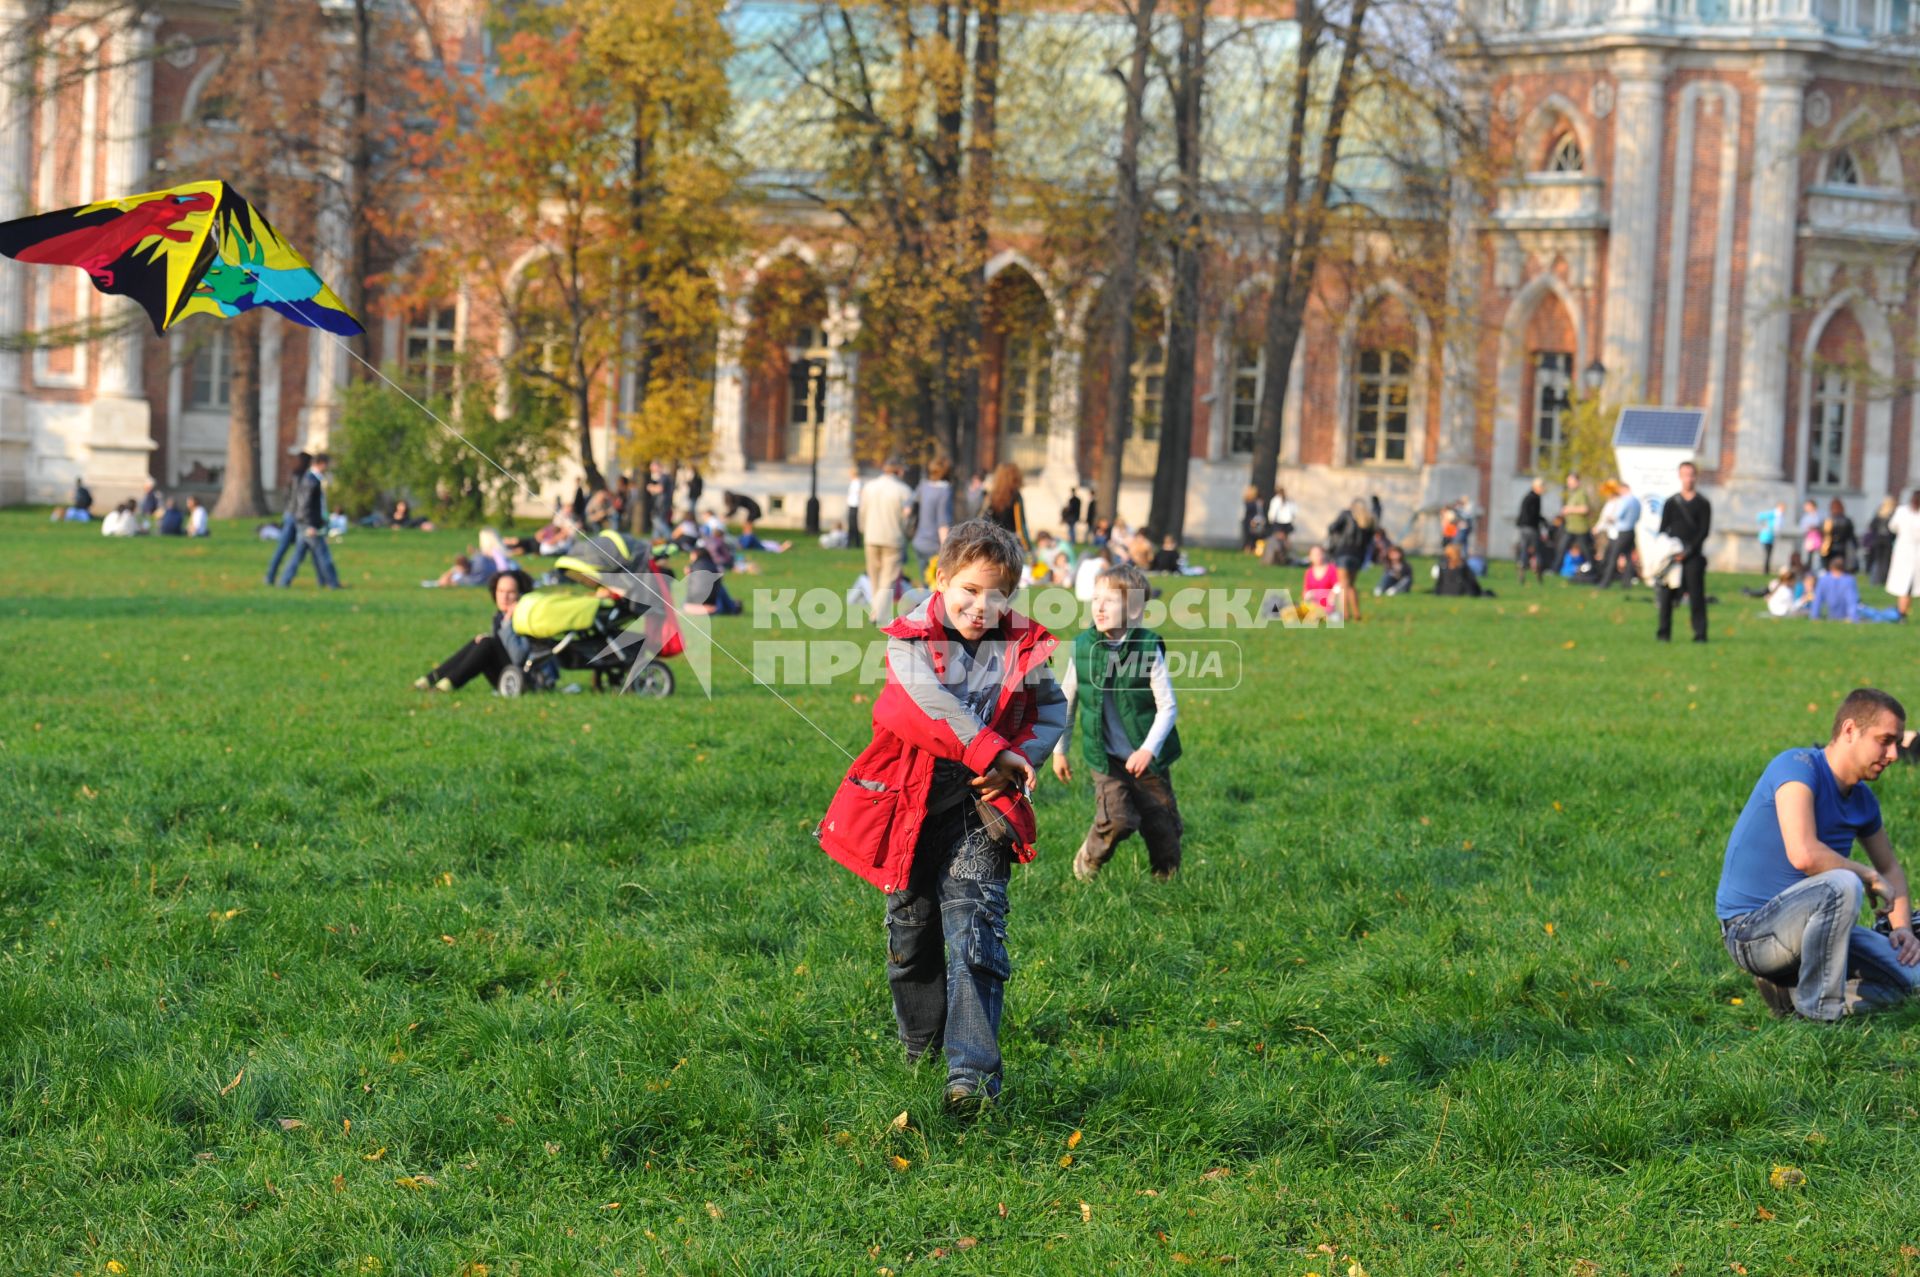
point(934, 811)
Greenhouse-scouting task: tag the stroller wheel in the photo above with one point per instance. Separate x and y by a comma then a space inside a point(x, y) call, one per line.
point(652, 679)
point(512, 681)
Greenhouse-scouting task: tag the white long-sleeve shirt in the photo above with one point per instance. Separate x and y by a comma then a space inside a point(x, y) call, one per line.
point(1165, 711)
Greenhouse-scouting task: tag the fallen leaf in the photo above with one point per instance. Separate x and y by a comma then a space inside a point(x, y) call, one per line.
point(714, 1211)
point(115, 1266)
point(228, 1088)
point(553, 1150)
point(290, 1123)
point(1761, 1212)
point(339, 1183)
point(1073, 1140)
point(1739, 1268)
point(898, 1162)
point(1549, 928)
point(1787, 1177)
point(1557, 806)
point(87, 791)
point(1086, 1213)
point(1355, 1270)
point(611, 1206)
point(966, 1243)
point(1066, 1160)
point(898, 1123)
point(1003, 1210)
point(1146, 1192)
point(376, 1155)
point(1218, 1172)
point(1739, 1002)
point(415, 1182)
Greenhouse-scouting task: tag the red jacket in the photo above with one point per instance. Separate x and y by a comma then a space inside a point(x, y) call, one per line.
point(874, 820)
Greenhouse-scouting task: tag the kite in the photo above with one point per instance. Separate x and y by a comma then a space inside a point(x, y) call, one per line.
point(193, 249)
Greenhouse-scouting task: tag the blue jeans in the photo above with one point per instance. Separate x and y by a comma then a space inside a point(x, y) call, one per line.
point(289, 533)
point(314, 543)
point(948, 984)
point(1807, 937)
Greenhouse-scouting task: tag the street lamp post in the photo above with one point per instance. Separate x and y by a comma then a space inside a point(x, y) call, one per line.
point(1594, 377)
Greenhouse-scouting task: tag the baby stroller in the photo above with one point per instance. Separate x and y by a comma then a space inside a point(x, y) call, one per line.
point(570, 628)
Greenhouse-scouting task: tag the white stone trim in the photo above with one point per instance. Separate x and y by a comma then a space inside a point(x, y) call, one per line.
point(1417, 396)
point(1638, 159)
point(1773, 209)
point(1510, 378)
point(1875, 409)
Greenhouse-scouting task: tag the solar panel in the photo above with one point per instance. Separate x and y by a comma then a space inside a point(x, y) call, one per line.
point(1659, 428)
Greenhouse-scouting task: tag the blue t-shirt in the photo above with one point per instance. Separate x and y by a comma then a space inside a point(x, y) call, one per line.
point(1756, 868)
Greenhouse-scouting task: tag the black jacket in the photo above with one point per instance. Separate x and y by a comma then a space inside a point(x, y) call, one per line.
point(1688, 521)
point(1460, 582)
point(311, 503)
point(1529, 520)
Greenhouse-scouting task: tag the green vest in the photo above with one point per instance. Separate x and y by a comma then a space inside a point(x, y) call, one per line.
point(1100, 667)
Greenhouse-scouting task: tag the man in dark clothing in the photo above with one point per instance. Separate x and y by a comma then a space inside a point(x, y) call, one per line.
point(738, 502)
point(695, 487)
point(1527, 545)
point(1687, 517)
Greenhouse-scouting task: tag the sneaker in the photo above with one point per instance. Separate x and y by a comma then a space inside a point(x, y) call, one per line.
point(1083, 867)
point(967, 1100)
point(1778, 997)
point(444, 685)
point(422, 683)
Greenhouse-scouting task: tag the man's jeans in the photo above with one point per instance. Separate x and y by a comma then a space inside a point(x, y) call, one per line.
point(289, 533)
point(948, 984)
point(1807, 937)
point(314, 543)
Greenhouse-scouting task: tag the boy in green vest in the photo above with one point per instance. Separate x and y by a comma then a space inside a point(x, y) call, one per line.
point(1118, 683)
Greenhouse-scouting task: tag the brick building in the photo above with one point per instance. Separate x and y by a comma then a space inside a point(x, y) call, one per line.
point(1676, 210)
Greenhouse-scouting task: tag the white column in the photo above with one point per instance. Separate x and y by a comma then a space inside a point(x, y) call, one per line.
point(728, 459)
point(1062, 470)
point(129, 161)
point(1460, 352)
point(273, 336)
point(120, 427)
point(1638, 126)
point(836, 429)
point(14, 166)
point(1764, 323)
point(326, 355)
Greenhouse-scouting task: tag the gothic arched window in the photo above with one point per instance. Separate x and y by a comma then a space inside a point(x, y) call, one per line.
point(1565, 157)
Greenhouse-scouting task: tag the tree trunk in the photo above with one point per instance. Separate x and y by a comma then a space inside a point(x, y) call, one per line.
point(240, 494)
point(979, 214)
point(1297, 258)
point(1168, 514)
point(583, 414)
point(1123, 276)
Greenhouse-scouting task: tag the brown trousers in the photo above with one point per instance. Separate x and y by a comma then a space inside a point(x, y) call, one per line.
point(1122, 803)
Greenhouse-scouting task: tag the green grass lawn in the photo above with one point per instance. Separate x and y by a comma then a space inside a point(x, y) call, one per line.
point(304, 972)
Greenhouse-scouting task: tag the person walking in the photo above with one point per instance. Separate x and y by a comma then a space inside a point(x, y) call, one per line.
point(1770, 523)
point(1578, 510)
point(289, 515)
point(1350, 538)
point(854, 494)
point(886, 510)
point(1903, 567)
point(312, 516)
point(1626, 516)
point(1877, 546)
point(934, 503)
point(1529, 544)
point(1687, 517)
point(1004, 506)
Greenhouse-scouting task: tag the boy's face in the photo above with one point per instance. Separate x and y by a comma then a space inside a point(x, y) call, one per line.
point(975, 595)
point(1111, 614)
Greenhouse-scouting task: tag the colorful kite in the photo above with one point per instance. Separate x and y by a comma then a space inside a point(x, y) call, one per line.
point(192, 249)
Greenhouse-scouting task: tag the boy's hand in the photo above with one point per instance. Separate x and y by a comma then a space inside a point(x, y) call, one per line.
point(1009, 772)
point(1138, 762)
point(1061, 768)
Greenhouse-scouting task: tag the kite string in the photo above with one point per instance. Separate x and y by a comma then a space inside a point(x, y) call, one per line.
point(523, 487)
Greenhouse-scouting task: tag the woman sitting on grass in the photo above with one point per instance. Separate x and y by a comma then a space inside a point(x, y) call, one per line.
point(1453, 577)
point(1321, 588)
point(489, 653)
point(1395, 576)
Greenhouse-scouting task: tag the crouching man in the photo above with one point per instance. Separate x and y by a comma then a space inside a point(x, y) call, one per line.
point(1790, 892)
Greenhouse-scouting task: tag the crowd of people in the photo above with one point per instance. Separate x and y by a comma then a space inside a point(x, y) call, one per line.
point(153, 513)
point(1821, 578)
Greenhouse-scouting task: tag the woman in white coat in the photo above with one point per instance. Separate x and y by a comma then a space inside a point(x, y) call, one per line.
point(1903, 575)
